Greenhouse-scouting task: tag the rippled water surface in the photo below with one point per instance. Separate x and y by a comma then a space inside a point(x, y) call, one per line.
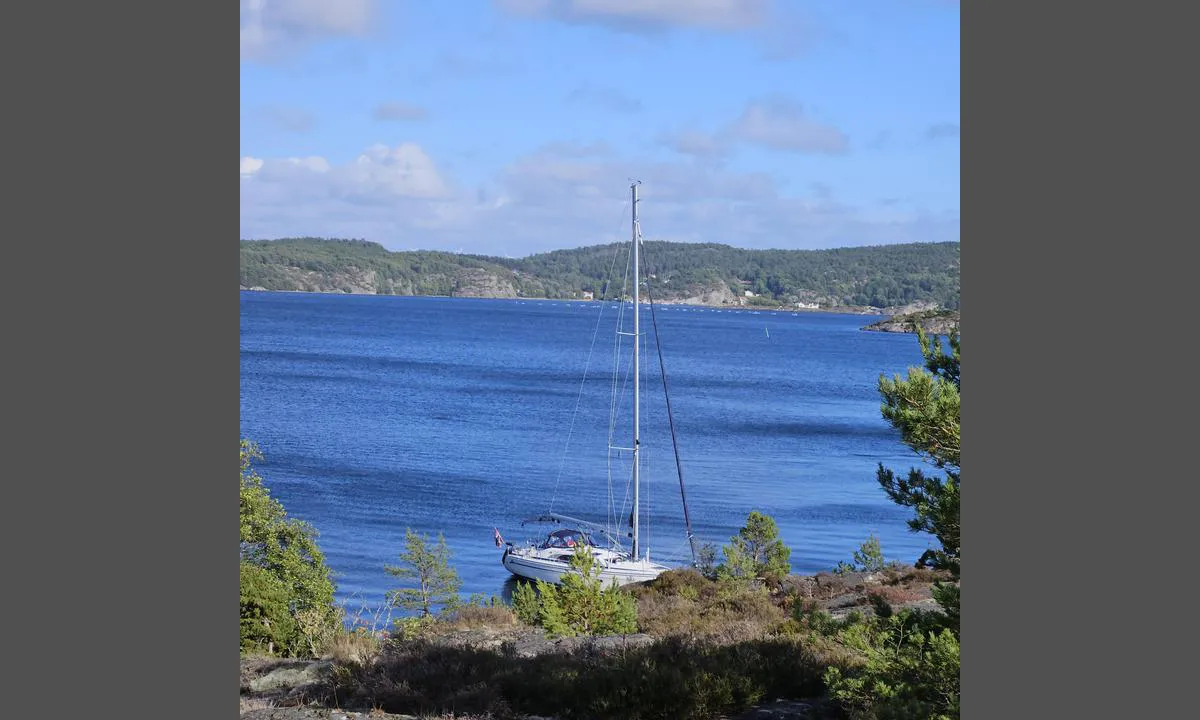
point(377, 413)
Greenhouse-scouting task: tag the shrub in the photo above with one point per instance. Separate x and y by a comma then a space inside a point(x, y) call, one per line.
point(426, 566)
point(869, 556)
point(525, 603)
point(283, 572)
point(685, 604)
point(684, 582)
point(908, 668)
point(814, 618)
point(706, 561)
point(580, 606)
point(894, 594)
point(267, 625)
point(668, 679)
point(756, 552)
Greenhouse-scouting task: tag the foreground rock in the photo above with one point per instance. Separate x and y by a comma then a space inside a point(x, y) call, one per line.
point(272, 682)
point(777, 710)
point(786, 710)
point(934, 322)
point(314, 713)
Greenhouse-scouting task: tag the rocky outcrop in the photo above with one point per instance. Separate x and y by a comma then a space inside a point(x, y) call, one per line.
point(316, 713)
point(271, 682)
point(937, 322)
point(480, 283)
point(714, 295)
point(786, 710)
point(910, 309)
point(351, 281)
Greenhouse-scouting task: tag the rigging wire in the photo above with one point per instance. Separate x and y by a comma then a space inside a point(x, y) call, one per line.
point(615, 397)
point(670, 419)
point(587, 363)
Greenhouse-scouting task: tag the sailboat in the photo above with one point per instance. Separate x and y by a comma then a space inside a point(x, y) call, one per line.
point(549, 559)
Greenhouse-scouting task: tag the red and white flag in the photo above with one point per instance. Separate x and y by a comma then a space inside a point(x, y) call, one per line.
point(499, 540)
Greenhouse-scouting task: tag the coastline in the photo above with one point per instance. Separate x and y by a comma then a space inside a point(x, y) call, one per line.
point(832, 310)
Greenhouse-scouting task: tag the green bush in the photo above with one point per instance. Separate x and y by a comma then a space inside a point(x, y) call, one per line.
point(908, 669)
point(706, 561)
point(684, 582)
point(756, 552)
point(525, 603)
point(289, 571)
point(580, 605)
point(267, 624)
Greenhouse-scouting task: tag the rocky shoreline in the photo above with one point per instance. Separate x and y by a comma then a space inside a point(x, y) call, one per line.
point(889, 313)
point(933, 322)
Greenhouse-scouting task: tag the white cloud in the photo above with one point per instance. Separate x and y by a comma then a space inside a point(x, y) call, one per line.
point(775, 123)
point(695, 143)
point(647, 14)
point(382, 173)
point(273, 28)
point(251, 165)
point(560, 196)
point(782, 125)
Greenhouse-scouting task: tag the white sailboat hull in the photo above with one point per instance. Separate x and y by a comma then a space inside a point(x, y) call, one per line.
point(537, 564)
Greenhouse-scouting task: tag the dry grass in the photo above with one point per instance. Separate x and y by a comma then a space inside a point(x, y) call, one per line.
point(357, 646)
point(683, 603)
point(822, 586)
point(894, 594)
point(476, 616)
point(900, 575)
point(718, 647)
point(246, 704)
point(670, 678)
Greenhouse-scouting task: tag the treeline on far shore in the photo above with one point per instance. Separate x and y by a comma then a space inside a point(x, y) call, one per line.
point(878, 276)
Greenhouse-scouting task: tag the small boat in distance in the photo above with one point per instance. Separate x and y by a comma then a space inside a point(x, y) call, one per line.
point(549, 559)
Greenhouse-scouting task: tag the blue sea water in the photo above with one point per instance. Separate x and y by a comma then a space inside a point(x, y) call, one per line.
point(454, 415)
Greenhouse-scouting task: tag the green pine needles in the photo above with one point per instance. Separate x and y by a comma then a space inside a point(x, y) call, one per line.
point(431, 582)
point(580, 606)
point(756, 552)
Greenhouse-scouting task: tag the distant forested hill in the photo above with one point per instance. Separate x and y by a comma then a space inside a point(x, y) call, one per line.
point(880, 276)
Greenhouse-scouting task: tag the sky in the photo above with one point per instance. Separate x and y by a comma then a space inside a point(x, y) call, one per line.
point(512, 127)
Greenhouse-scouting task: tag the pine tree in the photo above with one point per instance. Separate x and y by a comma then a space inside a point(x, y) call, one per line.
point(756, 551)
point(581, 605)
point(925, 408)
point(428, 566)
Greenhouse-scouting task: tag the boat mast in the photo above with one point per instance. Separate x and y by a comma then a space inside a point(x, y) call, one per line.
point(637, 339)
